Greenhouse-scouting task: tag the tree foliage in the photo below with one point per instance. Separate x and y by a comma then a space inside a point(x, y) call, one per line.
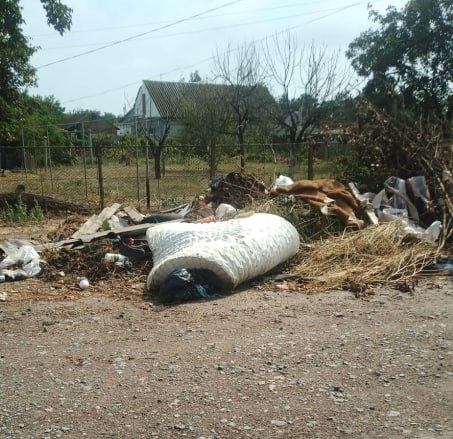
point(16, 72)
point(405, 114)
point(409, 55)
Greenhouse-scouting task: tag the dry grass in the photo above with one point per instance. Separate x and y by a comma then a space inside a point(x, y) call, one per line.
point(309, 222)
point(362, 259)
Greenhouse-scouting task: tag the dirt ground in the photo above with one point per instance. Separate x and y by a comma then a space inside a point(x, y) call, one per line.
point(263, 362)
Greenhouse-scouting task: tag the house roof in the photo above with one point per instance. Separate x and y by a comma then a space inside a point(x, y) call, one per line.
point(97, 126)
point(169, 96)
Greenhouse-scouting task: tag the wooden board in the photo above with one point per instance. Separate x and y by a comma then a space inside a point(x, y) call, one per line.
point(94, 223)
point(133, 213)
point(368, 207)
point(135, 230)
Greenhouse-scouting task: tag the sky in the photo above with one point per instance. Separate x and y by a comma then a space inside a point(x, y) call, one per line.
point(114, 45)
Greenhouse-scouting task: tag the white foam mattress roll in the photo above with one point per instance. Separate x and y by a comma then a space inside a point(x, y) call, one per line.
point(234, 251)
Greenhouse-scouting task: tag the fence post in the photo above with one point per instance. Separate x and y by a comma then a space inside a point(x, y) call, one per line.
point(49, 155)
point(98, 150)
point(136, 162)
point(24, 158)
point(212, 160)
point(310, 160)
point(84, 161)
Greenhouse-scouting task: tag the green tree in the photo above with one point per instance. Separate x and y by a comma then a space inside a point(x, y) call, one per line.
point(16, 72)
point(409, 56)
point(40, 123)
point(405, 114)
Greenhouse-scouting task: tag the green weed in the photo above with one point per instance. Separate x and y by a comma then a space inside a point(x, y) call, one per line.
point(20, 213)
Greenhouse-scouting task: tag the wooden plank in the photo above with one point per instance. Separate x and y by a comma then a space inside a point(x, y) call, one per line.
point(133, 213)
point(137, 229)
point(95, 222)
point(367, 207)
point(86, 225)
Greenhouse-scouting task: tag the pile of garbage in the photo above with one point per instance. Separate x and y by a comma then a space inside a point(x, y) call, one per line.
point(226, 237)
point(237, 189)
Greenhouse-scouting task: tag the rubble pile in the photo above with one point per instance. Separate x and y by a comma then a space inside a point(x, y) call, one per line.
point(236, 189)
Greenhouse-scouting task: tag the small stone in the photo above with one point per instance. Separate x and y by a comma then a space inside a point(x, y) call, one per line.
point(393, 414)
point(278, 423)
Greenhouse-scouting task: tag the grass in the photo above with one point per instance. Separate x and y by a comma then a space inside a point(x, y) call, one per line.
point(180, 184)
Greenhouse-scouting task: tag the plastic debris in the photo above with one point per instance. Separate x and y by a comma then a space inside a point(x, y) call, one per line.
point(182, 285)
point(83, 283)
point(20, 263)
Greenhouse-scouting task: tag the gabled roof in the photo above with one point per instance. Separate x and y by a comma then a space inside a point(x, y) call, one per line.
point(169, 97)
point(96, 125)
point(173, 98)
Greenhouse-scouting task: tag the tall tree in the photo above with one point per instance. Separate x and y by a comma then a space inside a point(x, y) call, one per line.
point(16, 72)
point(409, 55)
point(243, 71)
point(311, 81)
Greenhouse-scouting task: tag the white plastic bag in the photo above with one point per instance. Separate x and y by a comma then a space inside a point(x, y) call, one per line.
point(25, 257)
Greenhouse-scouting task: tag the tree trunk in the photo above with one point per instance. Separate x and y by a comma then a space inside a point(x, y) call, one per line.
point(242, 153)
point(311, 161)
point(157, 154)
point(241, 148)
point(212, 160)
point(292, 160)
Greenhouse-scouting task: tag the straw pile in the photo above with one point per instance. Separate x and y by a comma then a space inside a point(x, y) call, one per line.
point(359, 260)
point(311, 224)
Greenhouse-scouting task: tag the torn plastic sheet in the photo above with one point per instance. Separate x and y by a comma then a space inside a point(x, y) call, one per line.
point(402, 204)
point(20, 262)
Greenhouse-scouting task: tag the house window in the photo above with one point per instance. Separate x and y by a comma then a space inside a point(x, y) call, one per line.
point(144, 104)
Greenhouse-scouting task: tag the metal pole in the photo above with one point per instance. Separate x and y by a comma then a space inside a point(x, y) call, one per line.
point(100, 175)
point(45, 153)
point(136, 161)
point(50, 156)
point(91, 146)
point(23, 149)
point(84, 161)
point(148, 190)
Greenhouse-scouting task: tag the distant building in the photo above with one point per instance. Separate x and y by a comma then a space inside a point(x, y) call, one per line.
point(89, 124)
point(158, 102)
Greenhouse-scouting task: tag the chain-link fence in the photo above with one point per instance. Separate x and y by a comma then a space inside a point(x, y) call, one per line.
point(100, 175)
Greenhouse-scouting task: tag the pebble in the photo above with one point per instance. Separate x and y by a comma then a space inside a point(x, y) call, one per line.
point(278, 423)
point(393, 414)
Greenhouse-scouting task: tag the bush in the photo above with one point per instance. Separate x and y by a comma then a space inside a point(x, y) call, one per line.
point(19, 213)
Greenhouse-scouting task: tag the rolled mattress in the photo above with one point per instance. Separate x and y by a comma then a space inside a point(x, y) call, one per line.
point(233, 251)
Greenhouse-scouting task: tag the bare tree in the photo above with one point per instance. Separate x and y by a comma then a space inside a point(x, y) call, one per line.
point(157, 139)
point(310, 79)
point(243, 71)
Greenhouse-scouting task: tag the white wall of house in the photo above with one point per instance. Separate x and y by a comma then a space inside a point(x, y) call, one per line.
point(123, 128)
point(144, 105)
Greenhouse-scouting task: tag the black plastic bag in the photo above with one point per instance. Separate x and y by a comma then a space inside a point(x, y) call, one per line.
point(183, 285)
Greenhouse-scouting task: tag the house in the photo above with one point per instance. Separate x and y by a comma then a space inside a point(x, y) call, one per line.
point(88, 125)
point(158, 103)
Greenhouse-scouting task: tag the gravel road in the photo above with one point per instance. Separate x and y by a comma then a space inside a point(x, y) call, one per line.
point(259, 363)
